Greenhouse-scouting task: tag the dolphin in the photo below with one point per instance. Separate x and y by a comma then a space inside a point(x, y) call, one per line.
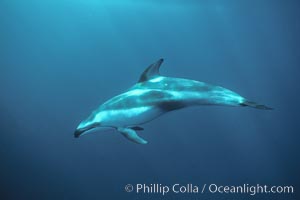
point(154, 95)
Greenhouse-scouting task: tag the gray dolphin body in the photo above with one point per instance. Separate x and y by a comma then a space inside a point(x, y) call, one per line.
point(153, 96)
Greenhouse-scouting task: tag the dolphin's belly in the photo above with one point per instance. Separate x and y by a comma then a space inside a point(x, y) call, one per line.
point(129, 117)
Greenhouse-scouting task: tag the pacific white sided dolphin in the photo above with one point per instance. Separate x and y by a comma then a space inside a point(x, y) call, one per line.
point(154, 95)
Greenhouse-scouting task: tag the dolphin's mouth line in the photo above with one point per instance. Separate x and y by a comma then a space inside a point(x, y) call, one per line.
point(82, 131)
point(79, 132)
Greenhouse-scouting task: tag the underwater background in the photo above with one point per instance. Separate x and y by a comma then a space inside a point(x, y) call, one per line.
point(60, 59)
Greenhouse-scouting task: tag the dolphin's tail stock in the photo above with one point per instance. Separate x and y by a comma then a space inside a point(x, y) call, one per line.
point(255, 105)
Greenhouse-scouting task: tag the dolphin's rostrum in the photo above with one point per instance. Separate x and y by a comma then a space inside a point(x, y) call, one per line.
point(154, 95)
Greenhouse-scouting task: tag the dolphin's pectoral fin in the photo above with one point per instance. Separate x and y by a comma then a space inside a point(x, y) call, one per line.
point(137, 128)
point(131, 135)
point(152, 71)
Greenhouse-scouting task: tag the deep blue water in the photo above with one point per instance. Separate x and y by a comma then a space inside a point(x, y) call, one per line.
point(60, 59)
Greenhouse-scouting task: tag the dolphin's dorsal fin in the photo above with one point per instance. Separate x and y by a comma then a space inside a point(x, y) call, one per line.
point(151, 71)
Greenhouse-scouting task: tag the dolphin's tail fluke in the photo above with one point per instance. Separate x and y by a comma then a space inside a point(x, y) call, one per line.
point(255, 105)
